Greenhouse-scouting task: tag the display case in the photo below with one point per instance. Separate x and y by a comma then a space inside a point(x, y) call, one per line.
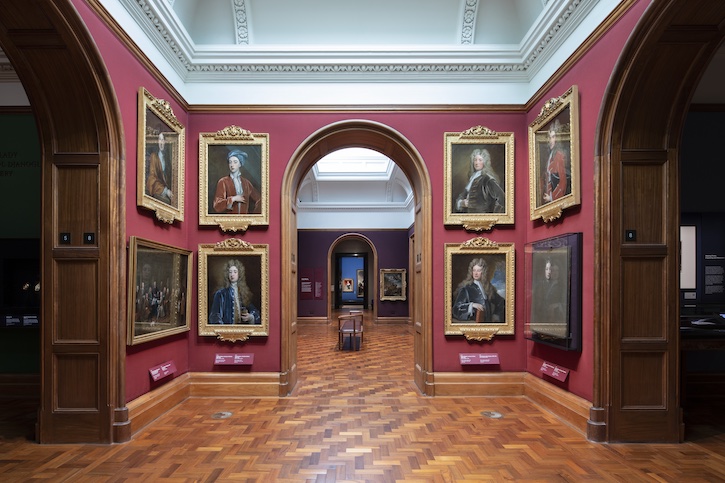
point(553, 291)
point(20, 295)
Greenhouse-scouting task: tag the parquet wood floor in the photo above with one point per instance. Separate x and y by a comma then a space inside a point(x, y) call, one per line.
point(357, 416)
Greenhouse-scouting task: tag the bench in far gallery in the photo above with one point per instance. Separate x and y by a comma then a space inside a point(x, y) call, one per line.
point(350, 326)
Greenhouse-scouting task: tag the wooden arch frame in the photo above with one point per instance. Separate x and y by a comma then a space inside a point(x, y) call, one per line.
point(83, 214)
point(331, 268)
point(381, 138)
point(636, 376)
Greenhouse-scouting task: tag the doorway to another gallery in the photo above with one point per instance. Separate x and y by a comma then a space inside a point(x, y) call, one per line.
point(352, 263)
point(385, 140)
point(637, 327)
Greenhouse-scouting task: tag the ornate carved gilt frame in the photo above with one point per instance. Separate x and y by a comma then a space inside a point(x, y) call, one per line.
point(499, 260)
point(459, 148)
point(214, 149)
point(389, 293)
point(560, 115)
point(156, 118)
point(254, 258)
point(159, 280)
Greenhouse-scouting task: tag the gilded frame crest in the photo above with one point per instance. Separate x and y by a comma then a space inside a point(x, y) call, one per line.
point(223, 155)
point(554, 164)
point(158, 290)
point(479, 178)
point(476, 267)
point(228, 314)
point(160, 159)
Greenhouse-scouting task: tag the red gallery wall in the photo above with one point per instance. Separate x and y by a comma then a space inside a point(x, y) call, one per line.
point(425, 131)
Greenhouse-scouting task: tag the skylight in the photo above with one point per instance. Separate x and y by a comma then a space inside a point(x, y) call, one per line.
point(354, 163)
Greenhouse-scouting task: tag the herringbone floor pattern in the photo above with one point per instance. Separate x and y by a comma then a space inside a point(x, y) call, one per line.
point(356, 416)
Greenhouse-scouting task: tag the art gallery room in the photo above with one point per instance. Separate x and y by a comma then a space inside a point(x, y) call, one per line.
point(420, 240)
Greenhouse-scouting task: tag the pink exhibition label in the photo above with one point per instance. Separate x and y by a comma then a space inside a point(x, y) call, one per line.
point(233, 359)
point(162, 370)
point(484, 358)
point(558, 373)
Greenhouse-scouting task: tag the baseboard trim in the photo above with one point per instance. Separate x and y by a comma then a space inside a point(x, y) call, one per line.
point(478, 384)
point(20, 385)
point(152, 405)
point(253, 384)
point(568, 407)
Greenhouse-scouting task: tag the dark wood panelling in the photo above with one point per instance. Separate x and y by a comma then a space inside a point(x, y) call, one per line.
point(77, 280)
point(642, 192)
point(644, 383)
point(642, 292)
point(75, 381)
point(76, 191)
point(83, 317)
point(637, 315)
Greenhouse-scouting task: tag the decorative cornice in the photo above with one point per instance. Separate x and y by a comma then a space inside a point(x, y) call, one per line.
point(234, 67)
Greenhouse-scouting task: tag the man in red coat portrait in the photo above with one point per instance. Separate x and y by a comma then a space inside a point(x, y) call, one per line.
point(234, 193)
point(557, 168)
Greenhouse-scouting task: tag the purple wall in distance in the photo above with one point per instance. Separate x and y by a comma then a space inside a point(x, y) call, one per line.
point(313, 248)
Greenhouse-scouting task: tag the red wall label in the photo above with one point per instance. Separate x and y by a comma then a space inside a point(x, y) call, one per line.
point(491, 358)
point(558, 373)
point(162, 370)
point(234, 359)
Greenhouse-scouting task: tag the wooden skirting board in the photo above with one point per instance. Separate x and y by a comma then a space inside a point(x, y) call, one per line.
point(20, 385)
point(566, 406)
point(153, 404)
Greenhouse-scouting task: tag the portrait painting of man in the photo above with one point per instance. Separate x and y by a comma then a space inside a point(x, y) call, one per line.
point(480, 289)
point(233, 286)
point(479, 178)
point(160, 159)
point(233, 179)
point(554, 157)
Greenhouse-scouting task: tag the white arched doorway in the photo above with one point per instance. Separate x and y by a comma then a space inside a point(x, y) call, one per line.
point(383, 139)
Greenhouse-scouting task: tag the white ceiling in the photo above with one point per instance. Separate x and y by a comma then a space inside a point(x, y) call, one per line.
point(372, 52)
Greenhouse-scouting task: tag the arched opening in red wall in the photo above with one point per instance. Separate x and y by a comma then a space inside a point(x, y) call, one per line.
point(383, 139)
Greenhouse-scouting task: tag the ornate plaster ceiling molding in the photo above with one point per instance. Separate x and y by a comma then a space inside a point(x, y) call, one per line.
point(467, 63)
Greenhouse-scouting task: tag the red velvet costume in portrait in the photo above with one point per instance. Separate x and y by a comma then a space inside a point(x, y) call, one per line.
point(223, 197)
point(556, 174)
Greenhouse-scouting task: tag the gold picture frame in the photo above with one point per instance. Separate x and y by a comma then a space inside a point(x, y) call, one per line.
point(221, 154)
point(479, 178)
point(393, 284)
point(160, 159)
point(219, 314)
point(158, 290)
point(468, 313)
point(554, 157)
